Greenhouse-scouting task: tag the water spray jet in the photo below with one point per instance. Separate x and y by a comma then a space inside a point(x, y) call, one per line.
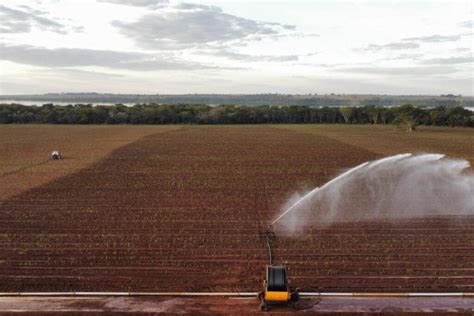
point(395, 187)
point(317, 189)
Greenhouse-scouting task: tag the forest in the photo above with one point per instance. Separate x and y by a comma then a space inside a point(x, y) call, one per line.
point(407, 115)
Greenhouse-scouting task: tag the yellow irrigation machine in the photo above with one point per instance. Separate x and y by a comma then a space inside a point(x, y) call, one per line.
point(276, 289)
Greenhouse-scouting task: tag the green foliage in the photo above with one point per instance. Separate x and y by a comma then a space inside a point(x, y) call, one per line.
point(406, 116)
point(346, 112)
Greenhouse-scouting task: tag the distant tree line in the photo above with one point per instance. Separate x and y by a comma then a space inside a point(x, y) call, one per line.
point(407, 116)
point(275, 99)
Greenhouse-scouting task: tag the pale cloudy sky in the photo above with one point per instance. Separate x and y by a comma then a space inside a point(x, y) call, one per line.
point(237, 46)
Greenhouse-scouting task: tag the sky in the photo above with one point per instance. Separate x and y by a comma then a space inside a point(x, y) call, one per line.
point(237, 46)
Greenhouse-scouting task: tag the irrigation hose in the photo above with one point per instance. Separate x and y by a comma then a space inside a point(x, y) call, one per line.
point(269, 250)
point(268, 234)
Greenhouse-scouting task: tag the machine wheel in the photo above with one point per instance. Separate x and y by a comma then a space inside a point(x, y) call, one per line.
point(264, 307)
point(294, 296)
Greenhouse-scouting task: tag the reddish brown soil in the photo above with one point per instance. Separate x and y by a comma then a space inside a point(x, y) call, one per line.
point(387, 140)
point(181, 211)
point(25, 150)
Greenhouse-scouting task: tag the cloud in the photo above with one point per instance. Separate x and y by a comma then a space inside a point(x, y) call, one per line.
point(399, 71)
point(24, 19)
point(401, 57)
point(194, 6)
point(434, 38)
point(190, 25)
point(253, 58)
point(391, 46)
point(83, 74)
point(75, 57)
point(407, 56)
point(468, 24)
point(449, 60)
point(138, 3)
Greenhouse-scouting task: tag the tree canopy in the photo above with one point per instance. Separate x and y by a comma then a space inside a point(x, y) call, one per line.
point(407, 115)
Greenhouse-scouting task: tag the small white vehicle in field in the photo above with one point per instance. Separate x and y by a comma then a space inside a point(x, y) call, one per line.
point(56, 155)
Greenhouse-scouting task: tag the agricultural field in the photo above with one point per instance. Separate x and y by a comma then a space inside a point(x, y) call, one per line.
point(386, 140)
point(180, 209)
point(25, 150)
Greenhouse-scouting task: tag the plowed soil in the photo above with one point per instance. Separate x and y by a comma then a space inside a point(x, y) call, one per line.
point(25, 150)
point(182, 210)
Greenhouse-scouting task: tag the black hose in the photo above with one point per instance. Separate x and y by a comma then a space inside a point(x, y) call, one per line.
point(268, 234)
point(269, 249)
